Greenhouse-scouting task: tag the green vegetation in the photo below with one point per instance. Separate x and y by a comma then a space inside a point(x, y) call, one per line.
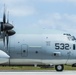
point(32, 68)
point(69, 68)
point(22, 68)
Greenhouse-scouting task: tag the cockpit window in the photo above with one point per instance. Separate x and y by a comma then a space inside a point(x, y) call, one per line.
point(70, 37)
point(67, 34)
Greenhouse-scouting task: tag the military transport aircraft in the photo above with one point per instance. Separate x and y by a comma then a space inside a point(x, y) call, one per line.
point(40, 49)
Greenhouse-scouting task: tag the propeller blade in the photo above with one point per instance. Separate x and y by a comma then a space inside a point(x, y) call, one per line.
point(4, 16)
point(8, 17)
point(4, 39)
point(7, 40)
point(0, 28)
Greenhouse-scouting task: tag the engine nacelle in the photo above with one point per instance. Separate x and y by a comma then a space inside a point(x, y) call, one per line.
point(10, 32)
point(4, 58)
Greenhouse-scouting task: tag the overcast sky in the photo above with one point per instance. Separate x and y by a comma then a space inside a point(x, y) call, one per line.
point(33, 15)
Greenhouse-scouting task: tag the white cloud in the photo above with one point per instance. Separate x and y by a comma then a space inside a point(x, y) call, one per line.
point(0, 19)
point(57, 0)
point(18, 7)
point(63, 22)
point(11, 2)
point(51, 0)
point(71, 18)
point(6, 1)
point(21, 11)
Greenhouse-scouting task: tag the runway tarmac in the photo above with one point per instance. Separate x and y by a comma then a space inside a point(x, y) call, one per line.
point(40, 73)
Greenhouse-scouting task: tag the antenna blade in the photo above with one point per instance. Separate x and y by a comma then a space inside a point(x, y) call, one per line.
point(4, 39)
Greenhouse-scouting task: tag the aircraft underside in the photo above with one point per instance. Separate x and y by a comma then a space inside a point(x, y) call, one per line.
point(39, 62)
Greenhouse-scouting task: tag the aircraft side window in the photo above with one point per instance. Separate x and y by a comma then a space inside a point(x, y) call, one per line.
point(54, 54)
point(24, 51)
point(71, 38)
point(36, 52)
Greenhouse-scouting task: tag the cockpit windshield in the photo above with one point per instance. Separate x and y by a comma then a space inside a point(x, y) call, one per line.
point(70, 37)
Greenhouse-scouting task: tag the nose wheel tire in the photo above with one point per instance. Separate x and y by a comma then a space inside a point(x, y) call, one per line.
point(59, 67)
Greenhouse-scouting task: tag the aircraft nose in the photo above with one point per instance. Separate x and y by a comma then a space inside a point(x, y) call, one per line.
point(4, 58)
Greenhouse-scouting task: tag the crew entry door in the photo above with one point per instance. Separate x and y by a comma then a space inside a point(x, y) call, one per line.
point(24, 49)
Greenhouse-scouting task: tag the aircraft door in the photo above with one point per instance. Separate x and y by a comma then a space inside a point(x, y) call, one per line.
point(68, 55)
point(24, 49)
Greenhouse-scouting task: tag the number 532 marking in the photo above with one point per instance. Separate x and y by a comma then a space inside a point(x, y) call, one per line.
point(62, 46)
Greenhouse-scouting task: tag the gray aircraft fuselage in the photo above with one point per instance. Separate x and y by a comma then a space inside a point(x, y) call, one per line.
point(41, 49)
point(37, 49)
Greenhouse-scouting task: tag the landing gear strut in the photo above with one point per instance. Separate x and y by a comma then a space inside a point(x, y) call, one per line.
point(59, 67)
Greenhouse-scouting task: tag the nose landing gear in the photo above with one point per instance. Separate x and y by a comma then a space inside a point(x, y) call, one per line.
point(59, 67)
